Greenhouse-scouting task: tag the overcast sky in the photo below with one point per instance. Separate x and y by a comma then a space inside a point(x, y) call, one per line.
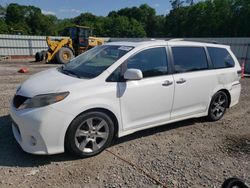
point(72, 8)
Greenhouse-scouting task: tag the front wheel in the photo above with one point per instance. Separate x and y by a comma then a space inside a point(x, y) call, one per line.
point(89, 134)
point(64, 55)
point(218, 106)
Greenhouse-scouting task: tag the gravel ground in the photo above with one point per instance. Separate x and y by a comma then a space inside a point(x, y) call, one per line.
point(192, 153)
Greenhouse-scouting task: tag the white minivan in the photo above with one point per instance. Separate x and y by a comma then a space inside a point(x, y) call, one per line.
point(120, 88)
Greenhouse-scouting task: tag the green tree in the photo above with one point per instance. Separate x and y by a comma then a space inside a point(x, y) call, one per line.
point(3, 25)
point(148, 20)
point(122, 26)
point(29, 20)
point(144, 14)
point(160, 26)
point(61, 25)
point(191, 2)
point(208, 18)
point(15, 18)
point(200, 20)
point(176, 3)
point(2, 11)
point(176, 22)
point(241, 18)
point(136, 29)
point(95, 22)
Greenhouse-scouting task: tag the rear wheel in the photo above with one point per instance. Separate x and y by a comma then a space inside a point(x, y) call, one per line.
point(89, 134)
point(64, 55)
point(39, 56)
point(218, 106)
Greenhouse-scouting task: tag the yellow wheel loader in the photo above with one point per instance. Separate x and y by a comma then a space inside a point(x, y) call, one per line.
point(61, 51)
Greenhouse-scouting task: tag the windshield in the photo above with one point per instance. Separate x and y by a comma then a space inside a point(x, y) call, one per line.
point(93, 62)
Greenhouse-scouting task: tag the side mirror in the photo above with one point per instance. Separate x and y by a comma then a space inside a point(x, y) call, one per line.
point(133, 74)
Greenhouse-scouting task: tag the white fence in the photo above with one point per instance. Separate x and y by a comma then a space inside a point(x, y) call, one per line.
point(24, 45)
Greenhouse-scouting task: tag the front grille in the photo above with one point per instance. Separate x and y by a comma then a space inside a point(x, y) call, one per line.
point(18, 100)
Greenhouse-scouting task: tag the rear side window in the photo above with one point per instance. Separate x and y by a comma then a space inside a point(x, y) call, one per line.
point(220, 58)
point(188, 59)
point(152, 62)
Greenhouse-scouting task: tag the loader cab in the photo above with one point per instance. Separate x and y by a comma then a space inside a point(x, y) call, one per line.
point(80, 37)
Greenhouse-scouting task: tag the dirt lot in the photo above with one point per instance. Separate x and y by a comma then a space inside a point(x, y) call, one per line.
point(192, 153)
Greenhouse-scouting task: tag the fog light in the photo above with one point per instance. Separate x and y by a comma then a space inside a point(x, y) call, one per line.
point(33, 140)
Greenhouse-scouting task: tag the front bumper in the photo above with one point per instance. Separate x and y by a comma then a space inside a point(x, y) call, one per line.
point(40, 130)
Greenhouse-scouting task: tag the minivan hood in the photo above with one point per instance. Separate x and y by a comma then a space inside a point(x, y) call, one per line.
point(48, 81)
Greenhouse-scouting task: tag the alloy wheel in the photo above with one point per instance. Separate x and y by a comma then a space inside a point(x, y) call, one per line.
point(91, 134)
point(219, 105)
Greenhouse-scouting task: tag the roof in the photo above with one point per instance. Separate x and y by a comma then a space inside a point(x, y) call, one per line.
point(196, 43)
point(166, 42)
point(139, 43)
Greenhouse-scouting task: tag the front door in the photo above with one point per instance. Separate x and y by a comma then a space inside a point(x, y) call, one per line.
point(148, 101)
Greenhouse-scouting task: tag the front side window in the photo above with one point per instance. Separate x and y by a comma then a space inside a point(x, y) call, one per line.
point(152, 62)
point(220, 58)
point(188, 59)
point(93, 62)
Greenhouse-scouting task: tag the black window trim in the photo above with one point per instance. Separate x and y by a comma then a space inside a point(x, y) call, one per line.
point(209, 62)
point(212, 64)
point(123, 65)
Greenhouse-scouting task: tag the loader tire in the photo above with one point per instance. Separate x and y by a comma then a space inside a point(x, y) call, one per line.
point(64, 55)
point(44, 52)
point(39, 56)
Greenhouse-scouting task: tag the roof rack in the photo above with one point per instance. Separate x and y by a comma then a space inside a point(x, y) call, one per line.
point(194, 40)
point(139, 39)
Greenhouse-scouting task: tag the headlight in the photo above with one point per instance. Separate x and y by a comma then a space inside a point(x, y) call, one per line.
point(43, 100)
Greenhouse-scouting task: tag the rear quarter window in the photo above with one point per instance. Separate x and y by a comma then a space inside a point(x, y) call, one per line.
point(220, 58)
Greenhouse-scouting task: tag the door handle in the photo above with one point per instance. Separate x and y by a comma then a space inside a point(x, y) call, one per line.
point(181, 81)
point(167, 83)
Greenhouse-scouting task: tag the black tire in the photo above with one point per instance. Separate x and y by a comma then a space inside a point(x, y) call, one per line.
point(44, 52)
point(39, 56)
point(234, 182)
point(64, 55)
point(218, 106)
point(73, 143)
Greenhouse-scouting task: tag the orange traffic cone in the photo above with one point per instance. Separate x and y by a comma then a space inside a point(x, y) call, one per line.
point(23, 70)
point(243, 69)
